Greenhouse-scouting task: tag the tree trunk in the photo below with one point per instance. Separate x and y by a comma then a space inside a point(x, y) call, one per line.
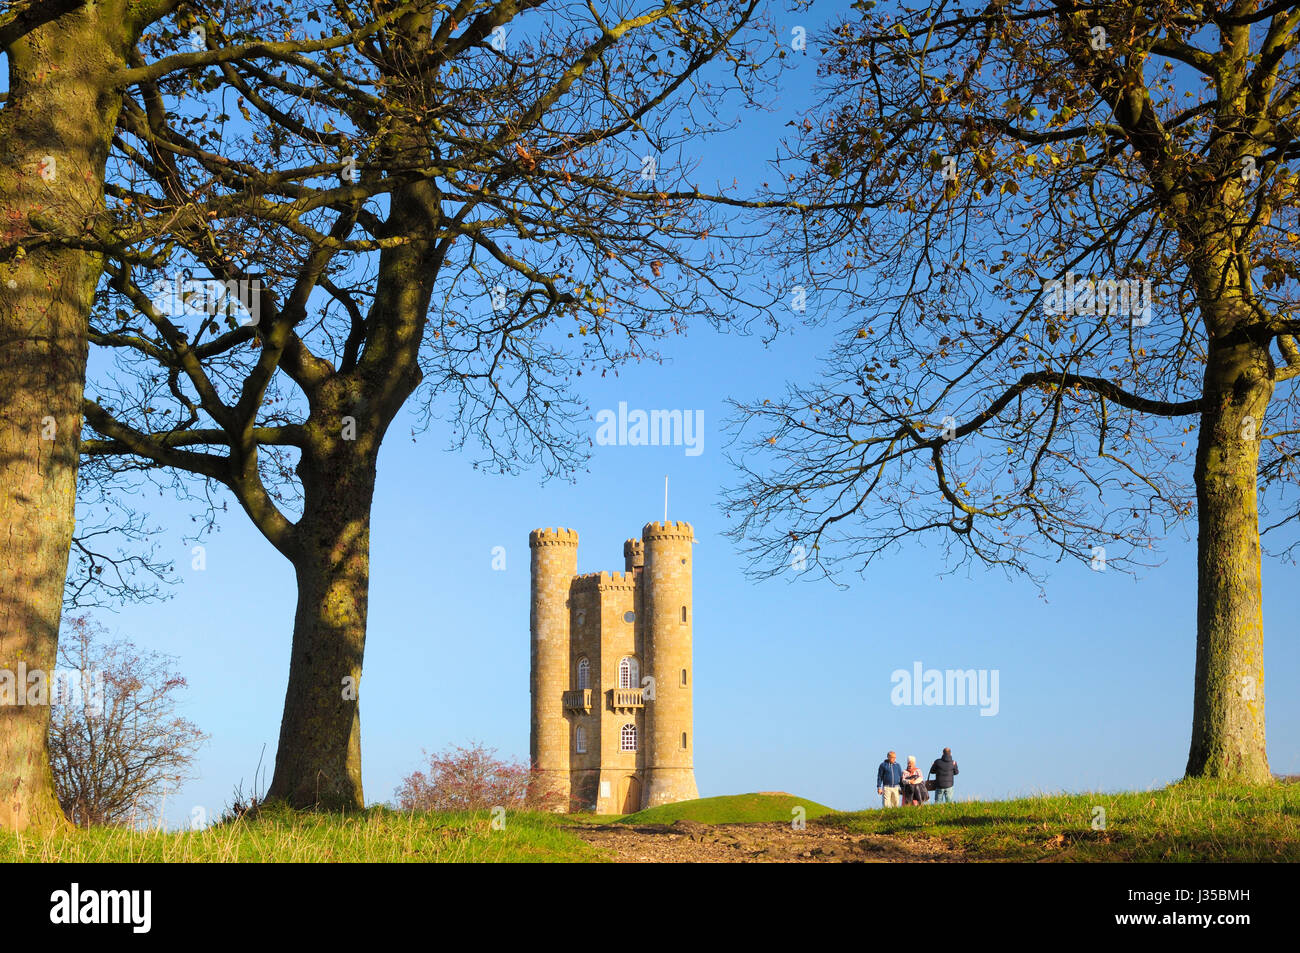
point(55, 132)
point(318, 761)
point(1228, 712)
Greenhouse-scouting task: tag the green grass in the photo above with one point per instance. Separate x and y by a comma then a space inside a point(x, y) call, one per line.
point(376, 835)
point(1188, 821)
point(731, 809)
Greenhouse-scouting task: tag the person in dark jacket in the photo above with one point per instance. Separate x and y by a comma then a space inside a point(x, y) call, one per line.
point(889, 781)
point(943, 769)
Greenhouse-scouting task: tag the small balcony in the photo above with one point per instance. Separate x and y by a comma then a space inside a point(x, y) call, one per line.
point(625, 698)
point(578, 700)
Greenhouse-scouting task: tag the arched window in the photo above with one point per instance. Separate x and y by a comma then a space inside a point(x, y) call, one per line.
point(628, 738)
point(580, 740)
point(683, 615)
point(683, 678)
point(629, 673)
point(683, 740)
point(584, 674)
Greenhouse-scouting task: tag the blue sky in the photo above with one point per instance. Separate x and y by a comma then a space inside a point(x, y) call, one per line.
point(792, 678)
point(792, 683)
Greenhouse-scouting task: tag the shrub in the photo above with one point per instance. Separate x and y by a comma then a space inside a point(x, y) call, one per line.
point(472, 779)
point(117, 747)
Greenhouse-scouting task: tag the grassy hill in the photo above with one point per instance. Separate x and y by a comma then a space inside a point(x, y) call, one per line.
point(1188, 821)
point(1200, 821)
point(376, 835)
point(730, 809)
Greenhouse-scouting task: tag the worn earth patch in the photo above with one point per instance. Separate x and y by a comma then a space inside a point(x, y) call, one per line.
point(692, 842)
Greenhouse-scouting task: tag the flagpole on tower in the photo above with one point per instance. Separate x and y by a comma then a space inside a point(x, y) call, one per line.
point(665, 497)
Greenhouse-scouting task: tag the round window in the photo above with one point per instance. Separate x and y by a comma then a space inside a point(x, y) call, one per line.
point(629, 616)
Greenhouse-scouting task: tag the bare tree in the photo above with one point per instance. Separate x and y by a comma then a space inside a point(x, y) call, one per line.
point(56, 121)
point(117, 745)
point(69, 62)
point(1064, 237)
point(521, 214)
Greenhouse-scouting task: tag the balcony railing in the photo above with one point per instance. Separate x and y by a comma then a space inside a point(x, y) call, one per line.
point(627, 698)
point(578, 700)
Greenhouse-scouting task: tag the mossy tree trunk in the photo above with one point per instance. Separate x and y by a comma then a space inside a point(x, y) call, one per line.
point(318, 760)
point(1228, 713)
point(55, 133)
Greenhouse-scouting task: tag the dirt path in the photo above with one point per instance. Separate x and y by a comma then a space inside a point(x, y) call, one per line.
point(692, 842)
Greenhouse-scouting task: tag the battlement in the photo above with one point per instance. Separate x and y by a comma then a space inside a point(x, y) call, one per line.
point(633, 555)
point(588, 581)
point(675, 529)
point(553, 537)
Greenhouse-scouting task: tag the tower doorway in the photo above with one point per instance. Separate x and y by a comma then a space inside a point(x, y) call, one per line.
point(629, 794)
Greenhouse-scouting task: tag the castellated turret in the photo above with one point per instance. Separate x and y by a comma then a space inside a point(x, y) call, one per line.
point(633, 555)
point(670, 772)
point(554, 561)
point(611, 672)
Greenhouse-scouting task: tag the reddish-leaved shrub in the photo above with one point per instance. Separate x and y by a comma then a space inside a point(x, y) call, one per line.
point(472, 779)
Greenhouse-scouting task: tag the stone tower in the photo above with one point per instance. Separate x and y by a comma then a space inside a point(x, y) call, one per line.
point(611, 672)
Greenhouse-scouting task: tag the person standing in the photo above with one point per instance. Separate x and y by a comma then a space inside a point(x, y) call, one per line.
point(943, 769)
point(889, 781)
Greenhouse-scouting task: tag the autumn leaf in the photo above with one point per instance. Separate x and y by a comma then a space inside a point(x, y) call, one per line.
point(525, 158)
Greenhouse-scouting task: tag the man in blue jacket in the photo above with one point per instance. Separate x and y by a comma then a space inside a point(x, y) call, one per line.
point(889, 781)
point(943, 769)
